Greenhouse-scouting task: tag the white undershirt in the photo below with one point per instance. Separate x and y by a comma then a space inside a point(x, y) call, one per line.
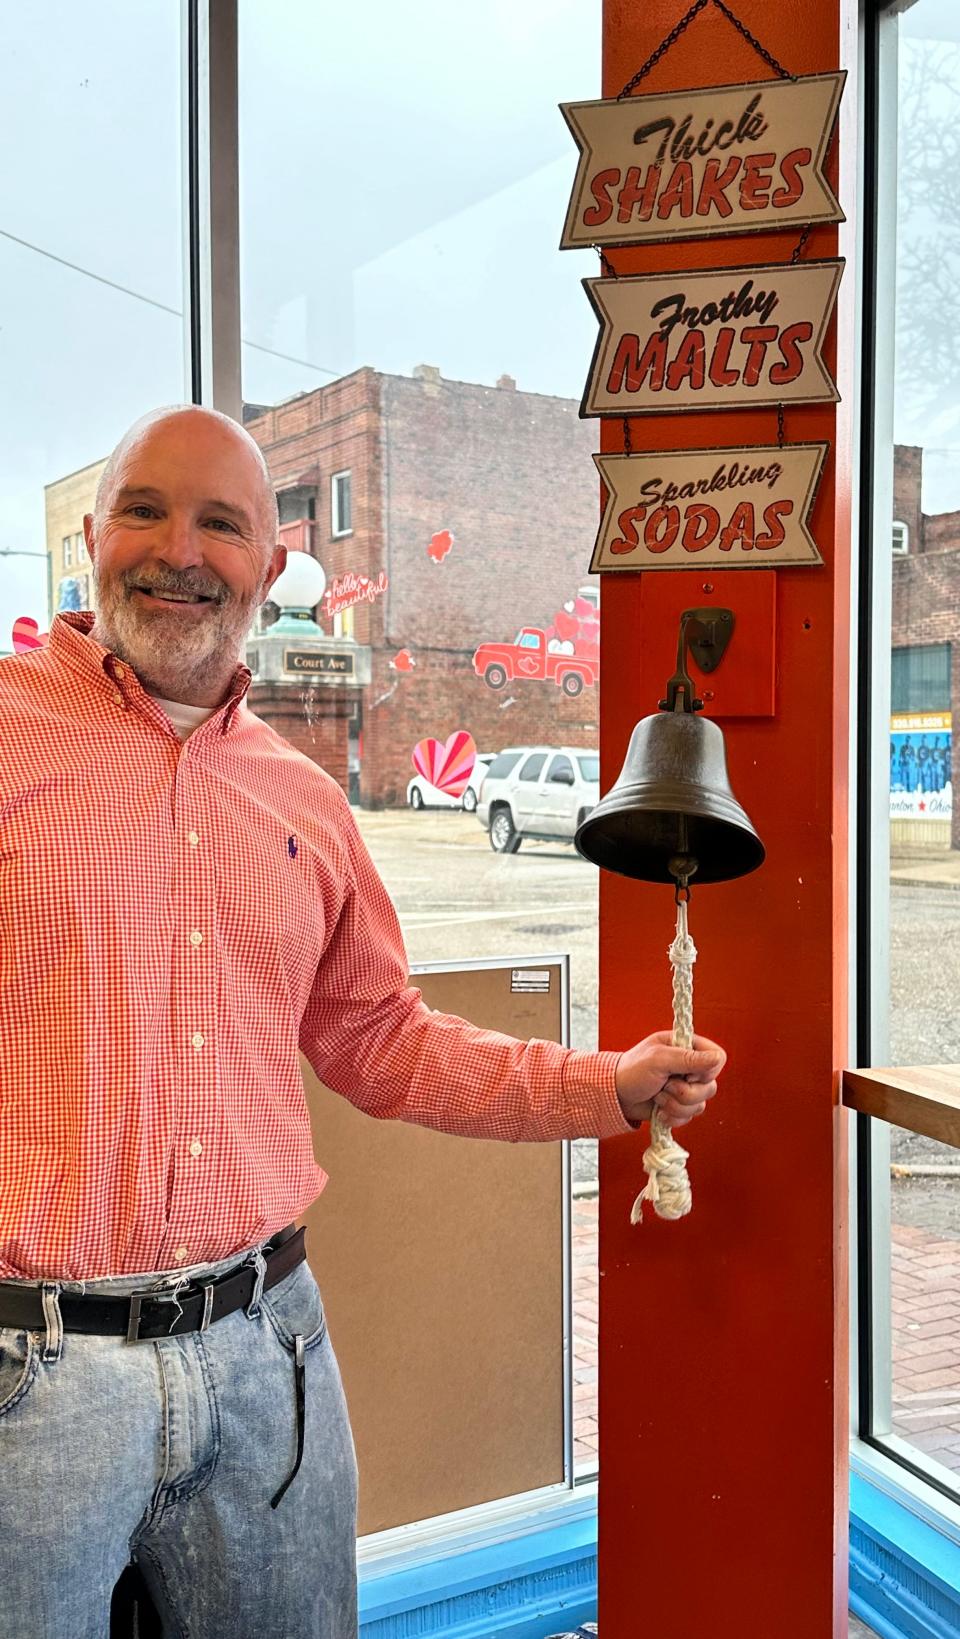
point(183, 717)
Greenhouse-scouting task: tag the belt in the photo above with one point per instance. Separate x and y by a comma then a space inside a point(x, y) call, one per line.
point(143, 1317)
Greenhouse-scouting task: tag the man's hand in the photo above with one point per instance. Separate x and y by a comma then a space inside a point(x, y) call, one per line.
point(677, 1080)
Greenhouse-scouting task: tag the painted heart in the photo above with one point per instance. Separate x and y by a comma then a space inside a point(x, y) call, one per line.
point(26, 635)
point(448, 766)
point(440, 545)
point(403, 662)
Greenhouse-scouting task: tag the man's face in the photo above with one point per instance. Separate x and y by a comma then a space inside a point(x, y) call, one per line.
point(186, 513)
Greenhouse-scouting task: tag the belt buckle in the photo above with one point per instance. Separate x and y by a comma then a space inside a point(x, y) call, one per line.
point(136, 1303)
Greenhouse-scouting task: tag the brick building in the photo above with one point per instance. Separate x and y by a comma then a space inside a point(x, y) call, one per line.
point(475, 509)
point(926, 613)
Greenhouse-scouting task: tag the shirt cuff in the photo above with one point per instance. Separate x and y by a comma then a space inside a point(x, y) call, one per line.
point(590, 1088)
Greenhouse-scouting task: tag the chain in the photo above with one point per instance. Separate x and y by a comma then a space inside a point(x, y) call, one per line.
point(627, 440)
point(606, 266)
point(802, 243)
point(684, 24)
point(779, 426)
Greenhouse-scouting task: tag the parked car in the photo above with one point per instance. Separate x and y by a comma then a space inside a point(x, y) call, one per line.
point(421, 794)
point(538, 791)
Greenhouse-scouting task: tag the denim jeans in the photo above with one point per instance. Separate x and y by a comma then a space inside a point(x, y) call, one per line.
point(168, 1453)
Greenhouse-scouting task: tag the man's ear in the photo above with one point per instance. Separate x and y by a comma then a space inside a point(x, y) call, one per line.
point(88, 534)
point(278, 564)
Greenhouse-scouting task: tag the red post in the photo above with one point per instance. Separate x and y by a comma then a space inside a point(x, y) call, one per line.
point(723, 1337)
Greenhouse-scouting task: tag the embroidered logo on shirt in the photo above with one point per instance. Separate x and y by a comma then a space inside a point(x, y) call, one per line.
point(292, 847)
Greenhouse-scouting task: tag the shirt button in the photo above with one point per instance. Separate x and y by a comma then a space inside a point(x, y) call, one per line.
point(196, 1148)
point(196, 938)
point(198, 1040)
point(192, 838)
point(119, 699)
point(181, 1253)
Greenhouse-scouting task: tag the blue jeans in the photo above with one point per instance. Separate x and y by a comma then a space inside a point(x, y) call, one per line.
point(168, 1453)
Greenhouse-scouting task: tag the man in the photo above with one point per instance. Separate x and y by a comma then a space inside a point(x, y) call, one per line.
point(186, 902)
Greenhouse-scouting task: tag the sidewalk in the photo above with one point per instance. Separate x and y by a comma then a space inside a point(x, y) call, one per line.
point(927, 868)
point(925, 1302)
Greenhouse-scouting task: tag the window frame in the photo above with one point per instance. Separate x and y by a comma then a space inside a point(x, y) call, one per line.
point(337, 532)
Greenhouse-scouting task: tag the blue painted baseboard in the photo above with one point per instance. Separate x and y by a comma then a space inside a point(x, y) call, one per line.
point(904, 1578)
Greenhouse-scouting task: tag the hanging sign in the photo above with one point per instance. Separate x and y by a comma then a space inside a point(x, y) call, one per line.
point(697, 164)
point(719, 339)
point(718, 509)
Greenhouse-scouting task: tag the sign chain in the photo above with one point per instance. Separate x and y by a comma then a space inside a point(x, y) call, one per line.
point(779, 426)
point(802, 243)
point(627, 441)
point(684, 23)
point(606, 266)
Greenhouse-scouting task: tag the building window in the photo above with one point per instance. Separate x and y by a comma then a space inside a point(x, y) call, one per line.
point(901, 539)
point(67, 551)
point(341, 510)
point(343, 624)
point(920, 678)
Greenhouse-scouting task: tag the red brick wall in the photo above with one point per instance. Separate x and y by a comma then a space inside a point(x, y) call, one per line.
point(926, 609)
point(443, 694)
point(907, 476)
point(321, 736)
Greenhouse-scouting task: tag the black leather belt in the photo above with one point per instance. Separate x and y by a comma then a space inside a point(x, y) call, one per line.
point(145, 1316)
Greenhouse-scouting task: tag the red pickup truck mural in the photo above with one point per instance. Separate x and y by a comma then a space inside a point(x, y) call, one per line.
point(531, 656)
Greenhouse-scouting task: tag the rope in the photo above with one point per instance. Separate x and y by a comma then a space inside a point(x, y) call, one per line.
point(664, 1161)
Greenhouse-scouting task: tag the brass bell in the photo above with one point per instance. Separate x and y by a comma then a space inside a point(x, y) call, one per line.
point(671, 816)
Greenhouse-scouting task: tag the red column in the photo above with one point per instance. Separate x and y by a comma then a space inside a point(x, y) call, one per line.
point(723, 1337)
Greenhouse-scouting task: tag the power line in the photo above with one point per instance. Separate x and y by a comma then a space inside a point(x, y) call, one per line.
point(138, 296)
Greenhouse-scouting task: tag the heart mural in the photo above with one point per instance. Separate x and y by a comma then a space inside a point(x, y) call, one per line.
point(448, 766)
point(26, 635)
point(440, 544)
point(403, 662)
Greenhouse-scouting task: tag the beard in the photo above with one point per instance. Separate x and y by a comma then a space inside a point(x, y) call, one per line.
point(172, 654)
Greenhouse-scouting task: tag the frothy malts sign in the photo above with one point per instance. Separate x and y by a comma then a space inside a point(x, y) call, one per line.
point(696, 164)
point(717, 339)
point(699, 509)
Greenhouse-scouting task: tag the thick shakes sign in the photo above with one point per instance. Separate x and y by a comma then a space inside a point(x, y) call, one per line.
point(717, 339)
point(723, 509)
point(697, 164)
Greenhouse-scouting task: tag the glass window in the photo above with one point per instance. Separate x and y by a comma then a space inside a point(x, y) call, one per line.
point(90, 267)
point(561, 771)
point(340, 513)
point(911, 1339)
point(533, 766)
point(503, 765)
point(394, 344)
point(589, 769)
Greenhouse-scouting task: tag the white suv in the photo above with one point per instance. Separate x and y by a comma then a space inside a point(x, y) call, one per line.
point(538, 791)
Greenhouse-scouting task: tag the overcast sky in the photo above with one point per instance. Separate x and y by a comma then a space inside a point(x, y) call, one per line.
point(403, 185)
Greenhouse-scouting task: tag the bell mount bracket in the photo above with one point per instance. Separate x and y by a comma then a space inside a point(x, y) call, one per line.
point(706, 632)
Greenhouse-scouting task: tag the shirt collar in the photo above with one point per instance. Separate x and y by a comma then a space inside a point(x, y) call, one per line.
point(71, 645)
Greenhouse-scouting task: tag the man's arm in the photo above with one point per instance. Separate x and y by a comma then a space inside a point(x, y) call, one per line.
point(369, 1036)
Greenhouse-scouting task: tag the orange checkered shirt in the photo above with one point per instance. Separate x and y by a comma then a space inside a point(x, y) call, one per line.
point(178, 917)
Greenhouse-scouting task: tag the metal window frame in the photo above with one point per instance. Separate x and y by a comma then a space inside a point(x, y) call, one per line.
point(336, 509)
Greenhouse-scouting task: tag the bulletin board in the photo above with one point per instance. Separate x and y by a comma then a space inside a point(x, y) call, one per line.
point(441, 1261)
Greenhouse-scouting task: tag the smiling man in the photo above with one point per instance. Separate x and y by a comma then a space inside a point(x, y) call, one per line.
point(187, 902)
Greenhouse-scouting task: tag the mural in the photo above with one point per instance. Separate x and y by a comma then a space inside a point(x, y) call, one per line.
point(447, 766)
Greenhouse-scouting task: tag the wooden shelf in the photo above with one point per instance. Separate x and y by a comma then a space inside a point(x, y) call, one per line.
point(924, 1100)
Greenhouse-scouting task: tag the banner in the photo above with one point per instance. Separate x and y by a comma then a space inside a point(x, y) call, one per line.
point(698, 164)
point(720, 339)
point(921, 782)
point(716, 508)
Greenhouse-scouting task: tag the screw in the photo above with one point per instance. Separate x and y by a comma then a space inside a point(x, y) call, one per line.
point(708, 694)
point(708, 586)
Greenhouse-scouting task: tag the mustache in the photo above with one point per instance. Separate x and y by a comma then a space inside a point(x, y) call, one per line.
point(162, 587)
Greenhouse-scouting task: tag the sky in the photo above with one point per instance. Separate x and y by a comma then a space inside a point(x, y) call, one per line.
point(403, 184)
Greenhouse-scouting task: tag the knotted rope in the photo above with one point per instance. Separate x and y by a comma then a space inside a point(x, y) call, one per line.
point(664, 1160)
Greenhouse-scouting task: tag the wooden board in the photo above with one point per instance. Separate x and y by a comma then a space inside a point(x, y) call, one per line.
point(924, 1100)
point(441, 1263)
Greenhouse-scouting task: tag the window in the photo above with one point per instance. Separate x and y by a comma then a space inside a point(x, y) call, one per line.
point(561, 771)
point(67, 551)
point(533, 766)
point(503, 765)
point(589, 769)
point(340, 505)
point(343, 624)
point(909, 826)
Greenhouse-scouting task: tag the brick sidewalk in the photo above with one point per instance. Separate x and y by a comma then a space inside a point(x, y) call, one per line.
point(925, 1280)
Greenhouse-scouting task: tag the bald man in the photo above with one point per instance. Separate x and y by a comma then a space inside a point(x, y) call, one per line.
point(187, 903)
